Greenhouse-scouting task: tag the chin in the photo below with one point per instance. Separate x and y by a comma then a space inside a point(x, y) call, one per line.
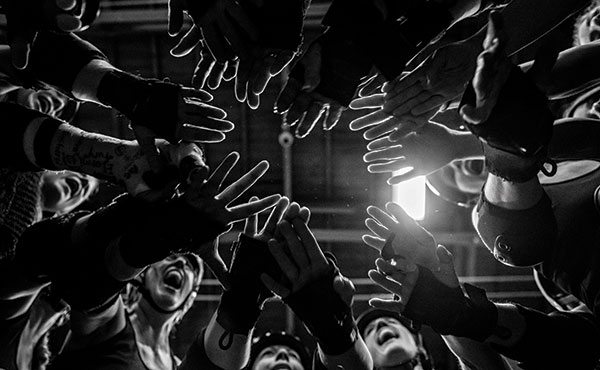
point(395, 354)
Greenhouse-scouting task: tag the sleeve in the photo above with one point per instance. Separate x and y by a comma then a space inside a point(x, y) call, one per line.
point(196, 357)
point(574, 334)
point(15, 149)
point(56, 59)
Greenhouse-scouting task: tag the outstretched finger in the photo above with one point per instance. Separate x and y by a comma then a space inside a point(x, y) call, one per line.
point(369, 120)
point(244, 183)
point(251, 224)
point(245, 210)
point(387, 304)
point(175, 16)
point(187, 43)
point(215, 181)
point(368, 102)
point(275, 216)
point(382, 217)
point(377, 228)
point(374, 242)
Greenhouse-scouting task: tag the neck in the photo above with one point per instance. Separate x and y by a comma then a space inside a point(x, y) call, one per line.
point(152, 327)
point(408, 365)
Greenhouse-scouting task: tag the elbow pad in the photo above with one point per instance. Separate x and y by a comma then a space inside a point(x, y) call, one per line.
point(518, 238)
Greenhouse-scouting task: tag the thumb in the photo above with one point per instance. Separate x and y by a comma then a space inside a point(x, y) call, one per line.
point(344, 288)
point(545, 58)
point(217, 266)
point(446, 273)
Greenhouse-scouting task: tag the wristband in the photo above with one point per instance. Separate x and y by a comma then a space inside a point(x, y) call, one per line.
point(149, 103)
point(448, 311)
point(520, 124)
point(328, 318)
point(240, 306)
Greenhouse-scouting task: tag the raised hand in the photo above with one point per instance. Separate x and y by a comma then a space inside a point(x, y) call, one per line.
point(400, 279)
point(421, 152)
point(299, 257)
point(267, 232)
point(300, 104)
point(163, 109)
point(439, 79)
point(493, 68)
point(205, 195)
point(398, 236)
point(222, 26)
point(251, 41)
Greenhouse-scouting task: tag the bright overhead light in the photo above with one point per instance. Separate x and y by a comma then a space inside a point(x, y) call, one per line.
point(410, 195)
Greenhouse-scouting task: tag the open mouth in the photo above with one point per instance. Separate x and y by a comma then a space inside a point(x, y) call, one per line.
point(173, 279)
point(281, 366)
point(385, 336)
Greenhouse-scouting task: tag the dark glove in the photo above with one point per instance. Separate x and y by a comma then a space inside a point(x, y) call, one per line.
point(146, 102)
point(449, 311)
point(517, 133)
point(241, 305)
point(328, 318)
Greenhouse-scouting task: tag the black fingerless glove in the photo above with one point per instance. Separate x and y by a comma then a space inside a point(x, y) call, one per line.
point(328, 318)
point(517, 133)
point(343, 65)
point(12, 151)
point(167, 228)
point(279, 22)
point(240, 306)
point(449, 311)
point(146, 102)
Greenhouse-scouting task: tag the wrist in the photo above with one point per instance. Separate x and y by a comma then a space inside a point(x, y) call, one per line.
point(332, 321)
point(88, 80)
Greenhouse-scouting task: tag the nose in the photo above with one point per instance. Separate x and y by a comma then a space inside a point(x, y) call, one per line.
point(282, 355)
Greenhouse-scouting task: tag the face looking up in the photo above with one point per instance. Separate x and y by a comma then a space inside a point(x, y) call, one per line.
point(278, 357)
point(389, 342)
point(170, 281)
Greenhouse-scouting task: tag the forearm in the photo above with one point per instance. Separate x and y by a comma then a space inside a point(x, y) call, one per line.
point(512, 195)
point(94, 154)
point(224, 348)
point(356, 357)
